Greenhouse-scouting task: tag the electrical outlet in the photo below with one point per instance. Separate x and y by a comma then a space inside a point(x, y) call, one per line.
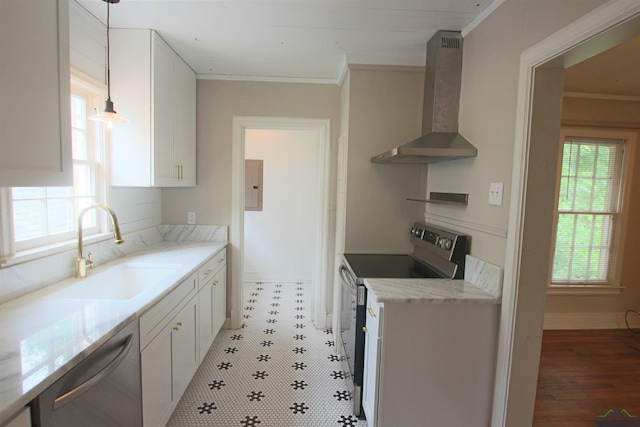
point(191, 217)
point(495, 193)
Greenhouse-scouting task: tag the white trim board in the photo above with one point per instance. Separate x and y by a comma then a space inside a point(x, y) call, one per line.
point(577, 321)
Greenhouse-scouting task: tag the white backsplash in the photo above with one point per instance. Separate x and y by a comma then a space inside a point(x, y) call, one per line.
point(21, 279)
point(485, 276)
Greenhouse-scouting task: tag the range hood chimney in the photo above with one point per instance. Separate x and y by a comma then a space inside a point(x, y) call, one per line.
point(440, 140)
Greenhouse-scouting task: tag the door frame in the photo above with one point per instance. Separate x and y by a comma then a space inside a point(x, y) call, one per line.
point(320, 276)
point(517, 358)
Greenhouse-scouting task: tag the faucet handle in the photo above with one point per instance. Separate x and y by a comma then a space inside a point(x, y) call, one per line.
point(89, 261)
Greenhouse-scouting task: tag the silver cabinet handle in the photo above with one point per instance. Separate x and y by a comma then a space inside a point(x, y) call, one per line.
point(94, 380)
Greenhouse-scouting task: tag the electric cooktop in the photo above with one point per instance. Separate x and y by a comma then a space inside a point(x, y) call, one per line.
point(385, 266)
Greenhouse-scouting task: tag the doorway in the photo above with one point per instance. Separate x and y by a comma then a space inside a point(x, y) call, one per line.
point(320, 131)
point(278, 244)
point(531, 211)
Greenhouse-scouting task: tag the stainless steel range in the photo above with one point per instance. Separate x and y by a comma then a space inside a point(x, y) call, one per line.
point(437, 253)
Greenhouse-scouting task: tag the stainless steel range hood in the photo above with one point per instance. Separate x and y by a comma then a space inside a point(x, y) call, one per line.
point(440, 140)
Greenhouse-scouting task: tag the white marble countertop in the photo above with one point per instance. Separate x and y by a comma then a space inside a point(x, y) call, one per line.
point(45, 334)
point(435, 291)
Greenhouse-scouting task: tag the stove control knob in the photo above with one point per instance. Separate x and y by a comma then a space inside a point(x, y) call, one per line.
point(446, 243)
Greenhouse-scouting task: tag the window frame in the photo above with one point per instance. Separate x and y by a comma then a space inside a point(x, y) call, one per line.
point(10, 253)
point(618, 235)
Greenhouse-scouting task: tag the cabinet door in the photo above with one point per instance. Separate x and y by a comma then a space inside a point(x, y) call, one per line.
point(35, 131)
point(131, 146)
point(157, 391)
point(371, 362)
point(22, 419)
point(220, 299)
point(163, 110)
point(205, 315)
point(184, 347)
point(185, 124)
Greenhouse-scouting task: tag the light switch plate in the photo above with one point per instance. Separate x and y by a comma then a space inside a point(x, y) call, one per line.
point(191, 217)
point(495, 193)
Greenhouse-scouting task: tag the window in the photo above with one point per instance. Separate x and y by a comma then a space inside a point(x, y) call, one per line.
point(589, 209)
point(46, 215)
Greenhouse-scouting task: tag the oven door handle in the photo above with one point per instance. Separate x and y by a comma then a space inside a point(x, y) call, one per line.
point(348, 281)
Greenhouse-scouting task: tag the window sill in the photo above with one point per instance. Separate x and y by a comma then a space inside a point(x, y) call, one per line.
point(597, 290)
point(54, 249)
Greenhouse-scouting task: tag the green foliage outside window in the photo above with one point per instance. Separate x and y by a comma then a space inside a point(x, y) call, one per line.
point(588, 204)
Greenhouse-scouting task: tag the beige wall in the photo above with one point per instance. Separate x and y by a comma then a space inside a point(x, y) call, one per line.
point(218, 102)
point(489, 100)
point(488, 113)
point(384, 111)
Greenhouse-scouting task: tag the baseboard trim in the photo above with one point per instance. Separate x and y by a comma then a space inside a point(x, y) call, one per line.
point(606, 320)
point(323, 320)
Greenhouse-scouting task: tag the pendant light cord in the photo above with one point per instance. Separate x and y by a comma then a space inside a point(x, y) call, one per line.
point(108, 56)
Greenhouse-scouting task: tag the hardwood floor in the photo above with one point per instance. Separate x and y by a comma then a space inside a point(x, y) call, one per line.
point(583, 374)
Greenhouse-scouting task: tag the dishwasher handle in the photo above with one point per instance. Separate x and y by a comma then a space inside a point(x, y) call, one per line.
point(102, 374)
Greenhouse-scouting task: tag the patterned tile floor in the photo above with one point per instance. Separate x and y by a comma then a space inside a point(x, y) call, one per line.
point(278, 370)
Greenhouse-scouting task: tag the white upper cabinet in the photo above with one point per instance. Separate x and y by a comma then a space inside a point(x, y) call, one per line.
point(156, 91)
point(35, 123)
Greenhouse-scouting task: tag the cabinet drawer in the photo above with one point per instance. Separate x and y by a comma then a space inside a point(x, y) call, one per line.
point(157, 317)
point(211, 267)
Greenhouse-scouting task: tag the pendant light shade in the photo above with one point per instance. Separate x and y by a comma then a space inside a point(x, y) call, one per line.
point(109, 115)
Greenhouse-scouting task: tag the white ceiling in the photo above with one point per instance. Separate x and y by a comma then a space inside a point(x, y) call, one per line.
point(615, 71)
point(294, 40)
point(314, 40)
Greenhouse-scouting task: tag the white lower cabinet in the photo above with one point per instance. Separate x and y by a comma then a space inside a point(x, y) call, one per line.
point(168, 364)
point(157, 384)
point(429, 363)
point(371, 357)
point(212, 311)
point(212, 300)
point(176, 333)
point(206, 301)
point(184, 347)
point(220, 300)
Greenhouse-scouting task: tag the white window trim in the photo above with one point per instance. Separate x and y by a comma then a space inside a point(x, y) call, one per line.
point(630, 137)
point(8, 255)
point(53, 249)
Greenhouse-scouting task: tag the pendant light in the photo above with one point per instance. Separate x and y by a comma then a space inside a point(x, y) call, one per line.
point(109, 115)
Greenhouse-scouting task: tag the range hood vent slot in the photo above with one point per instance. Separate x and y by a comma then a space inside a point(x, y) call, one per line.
point(450, 43)
point(440, 140)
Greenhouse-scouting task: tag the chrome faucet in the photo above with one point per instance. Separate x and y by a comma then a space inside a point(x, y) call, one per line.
point(81, 263)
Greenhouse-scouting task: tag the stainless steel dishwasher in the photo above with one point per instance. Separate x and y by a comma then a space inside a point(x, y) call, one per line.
point(102, 390)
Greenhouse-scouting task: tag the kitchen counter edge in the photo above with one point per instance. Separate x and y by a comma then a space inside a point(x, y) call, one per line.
point(10, 405)
point(430, 291)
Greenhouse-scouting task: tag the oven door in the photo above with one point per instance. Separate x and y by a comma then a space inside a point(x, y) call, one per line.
point(352, 334)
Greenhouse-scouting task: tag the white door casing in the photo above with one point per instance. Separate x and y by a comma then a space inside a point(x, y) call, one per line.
point(320, 308)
